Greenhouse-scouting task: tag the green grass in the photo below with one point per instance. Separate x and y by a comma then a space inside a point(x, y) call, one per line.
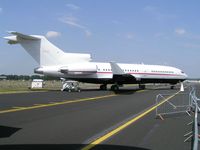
point(19, 86)
point(11, 86)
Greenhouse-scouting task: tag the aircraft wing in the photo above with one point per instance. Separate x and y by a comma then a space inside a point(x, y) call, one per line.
point(116, 69)
point(119, 75)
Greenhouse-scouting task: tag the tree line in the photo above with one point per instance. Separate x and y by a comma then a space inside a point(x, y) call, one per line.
point(28, 77)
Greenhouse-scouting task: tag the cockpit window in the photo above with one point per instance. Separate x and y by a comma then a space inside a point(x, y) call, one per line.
point(182, 72)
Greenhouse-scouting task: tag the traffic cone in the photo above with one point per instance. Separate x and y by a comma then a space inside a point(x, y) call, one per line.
point(182, 87)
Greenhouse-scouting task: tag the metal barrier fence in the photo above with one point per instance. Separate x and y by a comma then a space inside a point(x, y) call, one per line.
point(178, 104)
point(194, 105)
point(181, 103)
point(196, 130)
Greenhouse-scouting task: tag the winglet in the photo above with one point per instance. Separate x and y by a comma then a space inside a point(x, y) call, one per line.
point(116, 70)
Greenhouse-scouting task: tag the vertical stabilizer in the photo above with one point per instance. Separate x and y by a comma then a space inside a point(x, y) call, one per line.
point(44, 52)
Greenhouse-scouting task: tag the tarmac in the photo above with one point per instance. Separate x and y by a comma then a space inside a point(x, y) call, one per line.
point(91, 119)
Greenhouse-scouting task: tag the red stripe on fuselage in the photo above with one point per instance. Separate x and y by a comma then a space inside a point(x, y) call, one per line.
point(158, 74)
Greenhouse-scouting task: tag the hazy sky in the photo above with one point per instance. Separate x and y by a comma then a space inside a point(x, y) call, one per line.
point(133, 31)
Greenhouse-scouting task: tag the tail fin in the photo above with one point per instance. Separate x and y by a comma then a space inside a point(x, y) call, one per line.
point(44, 52)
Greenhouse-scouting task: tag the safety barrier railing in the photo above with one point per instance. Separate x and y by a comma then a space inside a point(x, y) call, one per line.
point(178, 104)
point(184, 102)
point(195, 106)
point(194, 134)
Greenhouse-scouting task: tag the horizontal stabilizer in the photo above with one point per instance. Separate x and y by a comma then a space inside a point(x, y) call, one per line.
point(16, 37)
point(23, 36)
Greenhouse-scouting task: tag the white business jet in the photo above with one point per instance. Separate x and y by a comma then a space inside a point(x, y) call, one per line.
point(55, 62)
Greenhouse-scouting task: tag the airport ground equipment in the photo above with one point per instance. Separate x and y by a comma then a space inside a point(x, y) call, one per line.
point(37, 84)
point(70, 85)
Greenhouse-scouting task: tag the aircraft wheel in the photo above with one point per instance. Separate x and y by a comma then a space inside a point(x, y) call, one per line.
point(114, 87)
point(142, 86)
point(103, 87)
point(172, 87)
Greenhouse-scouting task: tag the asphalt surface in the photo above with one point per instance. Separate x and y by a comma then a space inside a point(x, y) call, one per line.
point(61, 120)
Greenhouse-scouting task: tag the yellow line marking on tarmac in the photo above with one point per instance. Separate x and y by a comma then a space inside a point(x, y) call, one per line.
point(17, 107)
point(120, 128)
point(35, 106)
point(18, 92)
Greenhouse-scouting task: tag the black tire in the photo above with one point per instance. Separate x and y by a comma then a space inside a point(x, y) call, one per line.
point(103, 87)
point(115, 87)
point(172, 87)
point(142, 86)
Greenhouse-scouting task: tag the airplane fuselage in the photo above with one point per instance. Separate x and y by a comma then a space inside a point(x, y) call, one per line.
point(102, 73)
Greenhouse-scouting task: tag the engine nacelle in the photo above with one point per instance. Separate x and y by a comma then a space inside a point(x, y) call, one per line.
point(83, 68)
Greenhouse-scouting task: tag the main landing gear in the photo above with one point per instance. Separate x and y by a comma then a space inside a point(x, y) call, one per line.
point(115, 87)
point(142, 86)
point(103, 87)
point(172, 87)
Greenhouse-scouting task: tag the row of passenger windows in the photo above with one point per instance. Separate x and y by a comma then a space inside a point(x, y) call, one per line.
point(105, 69)
point(162, 71)
point(126, 70)
point(130, 70)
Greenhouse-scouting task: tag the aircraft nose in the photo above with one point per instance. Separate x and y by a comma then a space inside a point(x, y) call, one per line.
point(185, 75)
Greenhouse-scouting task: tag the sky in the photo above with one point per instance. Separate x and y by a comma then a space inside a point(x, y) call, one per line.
point(126, 31)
